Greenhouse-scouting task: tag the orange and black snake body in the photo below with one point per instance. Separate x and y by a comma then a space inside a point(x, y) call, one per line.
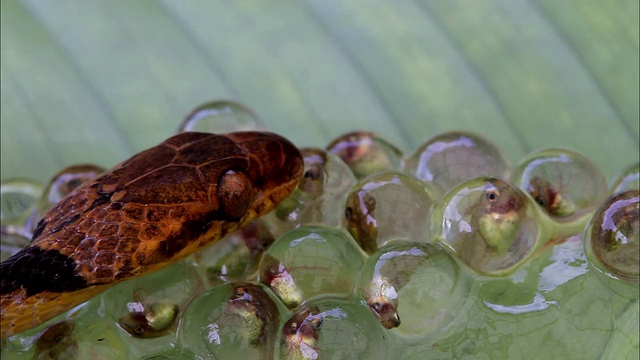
point(144, 214)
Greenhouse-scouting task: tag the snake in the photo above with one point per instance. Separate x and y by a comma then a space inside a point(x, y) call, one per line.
point(143, 215)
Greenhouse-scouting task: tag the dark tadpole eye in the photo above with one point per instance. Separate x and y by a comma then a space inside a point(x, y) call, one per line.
point(317, 323)
point(492, 195)
point(377, 306)
point(540, 200)
point(235, 194)
point(370, 202)
point(139, 329)
point(348, 213)
point(240, 291)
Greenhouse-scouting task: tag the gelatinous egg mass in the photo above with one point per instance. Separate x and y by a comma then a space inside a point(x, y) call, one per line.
point(56, 342)
point(413, 287)
point(319, 197)
point(628, 180)
point(332, 328)
point(309, 261)
point(564, 183)
point(450, 158)
point(388, 206)
point(65, 181)
point(148, 307)
point(149, 320)
point(236, 256)
point(18, 198)
point(13, 239)
point(221, 117)
point(231, 321)
point(59, 186)
point(489, 225)
point(612, 236)
point(365, 153)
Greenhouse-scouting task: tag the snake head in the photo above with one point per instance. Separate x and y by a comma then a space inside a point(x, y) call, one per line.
point(274, 168)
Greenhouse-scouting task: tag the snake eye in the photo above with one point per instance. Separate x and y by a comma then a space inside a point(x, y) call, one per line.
point(234, 194)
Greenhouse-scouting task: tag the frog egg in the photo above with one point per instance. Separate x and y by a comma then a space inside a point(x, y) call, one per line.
point(319, 197)
point(64, 182)
point(388, 206)
point(331, 328)
point(611, 238)
point(309, 261)
point(56, 342)
point(628, 180)
point(18, 198)
point(146, 309)
point(366, 153)
point(414, 288)
point(236, 256)
point(231, 321)
point(489, 224)
point(12, 240)
point(74, 335)
point(563, 182)
point(221, 117)
point(453, 157)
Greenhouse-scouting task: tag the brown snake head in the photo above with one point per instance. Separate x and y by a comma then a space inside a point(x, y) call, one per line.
point(147, 212)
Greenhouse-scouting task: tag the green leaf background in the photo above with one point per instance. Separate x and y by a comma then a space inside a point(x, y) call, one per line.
point(96, 81)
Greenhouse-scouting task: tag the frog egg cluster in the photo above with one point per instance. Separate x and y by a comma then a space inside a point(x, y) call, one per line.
point(448, 252)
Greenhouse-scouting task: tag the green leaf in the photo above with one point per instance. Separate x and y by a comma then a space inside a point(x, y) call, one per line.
point(96, 81)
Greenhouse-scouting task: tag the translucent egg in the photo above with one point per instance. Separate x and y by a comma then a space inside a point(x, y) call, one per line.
point(366, 153)
point(388, 206)
point(415, 288)
point(319, 197)
point(64, 182)
point(56, 342)
point(628, 180)
point(236, 256)
point(231, 321)
point(612, 237)
point(12, 240)
point(309, 261)
point(489, 224)
point(18, 198)
point(221, 117)
point(330, 328)
point(564, 183)
point(147, 309)
point(59, 186)
point(77, 334)
point(451, 158)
